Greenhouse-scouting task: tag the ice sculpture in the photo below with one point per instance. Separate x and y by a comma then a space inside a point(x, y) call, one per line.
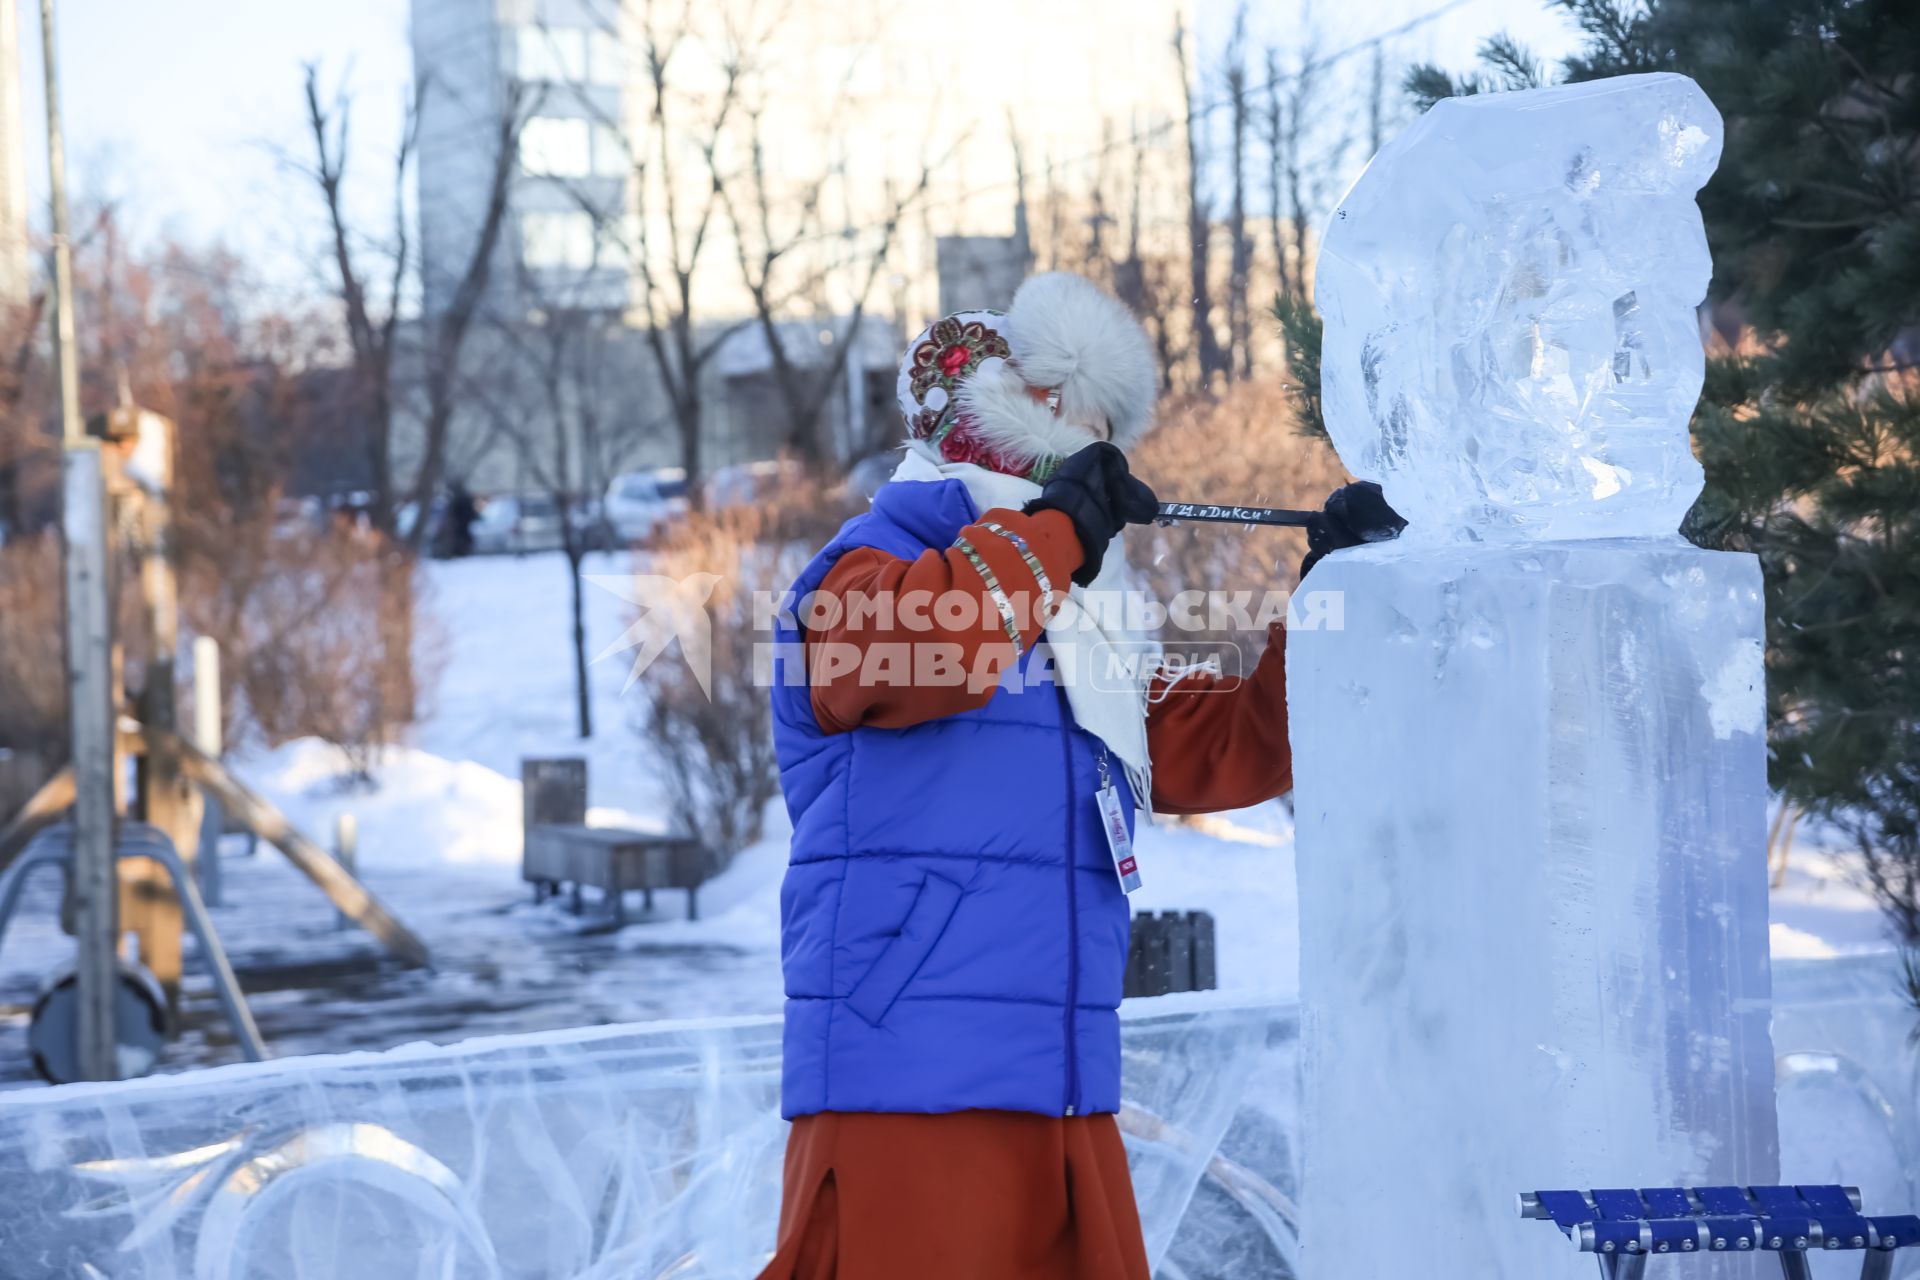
point(624, 1153)
point(653, 1151)
point(1511, 344)
point(1530, 767)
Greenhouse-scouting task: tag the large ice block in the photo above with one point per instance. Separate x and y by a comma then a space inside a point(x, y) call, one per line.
point(1530, 763)
point(1530, 793)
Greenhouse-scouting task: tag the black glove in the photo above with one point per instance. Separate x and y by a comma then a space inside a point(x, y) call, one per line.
point(1354, 514)
point(1094, 489)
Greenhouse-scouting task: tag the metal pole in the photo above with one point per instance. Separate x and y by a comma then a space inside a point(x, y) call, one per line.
point(71, 428)
point(90, 702)
point(90, 692)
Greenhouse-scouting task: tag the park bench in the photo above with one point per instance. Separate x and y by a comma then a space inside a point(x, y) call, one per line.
point(1622, 1228)
point(1169, 951)
point(561, 849)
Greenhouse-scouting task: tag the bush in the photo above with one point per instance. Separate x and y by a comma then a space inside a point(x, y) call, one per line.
point(299, 619)
point(714, 745)
point(33, 689)
point(1244, 448)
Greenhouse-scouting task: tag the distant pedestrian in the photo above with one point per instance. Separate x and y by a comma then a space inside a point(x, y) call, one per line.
point(462, 511)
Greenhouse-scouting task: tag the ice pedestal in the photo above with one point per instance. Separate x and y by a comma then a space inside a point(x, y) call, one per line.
point(1529, 761)
point(1531, 792)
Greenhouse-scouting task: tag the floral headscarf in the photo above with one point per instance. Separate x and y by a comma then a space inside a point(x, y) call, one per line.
point(950, 351)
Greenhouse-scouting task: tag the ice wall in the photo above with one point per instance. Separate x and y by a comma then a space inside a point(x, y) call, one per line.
point(1529, 765)
point(646, 1152)
point(651, 1152)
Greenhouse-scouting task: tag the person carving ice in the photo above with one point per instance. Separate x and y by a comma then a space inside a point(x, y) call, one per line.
point(954, 923)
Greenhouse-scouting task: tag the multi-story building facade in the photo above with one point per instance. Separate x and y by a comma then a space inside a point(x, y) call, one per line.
point(819, 150)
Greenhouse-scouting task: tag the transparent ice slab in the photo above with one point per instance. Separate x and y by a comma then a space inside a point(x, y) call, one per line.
point(652, 1151)
point(645, 1151)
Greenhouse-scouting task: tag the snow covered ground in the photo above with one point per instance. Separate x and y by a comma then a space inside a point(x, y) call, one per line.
point(440, 844)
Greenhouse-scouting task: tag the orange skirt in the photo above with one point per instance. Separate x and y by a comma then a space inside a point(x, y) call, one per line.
point(971, 1195)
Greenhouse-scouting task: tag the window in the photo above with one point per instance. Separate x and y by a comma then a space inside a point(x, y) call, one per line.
point(555, 54)
point(606, 61)
point(569, 55)
point(610, 159)
point(556, 147)
point(557, 240)
point(610, 247)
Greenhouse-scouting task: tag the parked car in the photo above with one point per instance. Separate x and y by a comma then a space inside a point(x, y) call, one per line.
point(591, 527)
point(866, 476)
point(746, 483)
point(517, 523)
point(641, 503)
point(439, 536)
point(298, 517)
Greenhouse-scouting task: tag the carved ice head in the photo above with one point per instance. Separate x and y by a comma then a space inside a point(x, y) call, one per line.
point(1510, 294)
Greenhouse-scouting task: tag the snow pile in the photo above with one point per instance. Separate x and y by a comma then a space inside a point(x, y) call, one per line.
point(425, 809)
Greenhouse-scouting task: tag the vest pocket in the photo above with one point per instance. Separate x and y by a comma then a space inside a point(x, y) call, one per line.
point(902, 957)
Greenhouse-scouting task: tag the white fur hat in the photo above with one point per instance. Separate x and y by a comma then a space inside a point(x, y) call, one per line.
point(965, 384)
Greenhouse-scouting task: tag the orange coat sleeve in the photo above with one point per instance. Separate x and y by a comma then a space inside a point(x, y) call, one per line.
point(893, 642)
point(1221, 742)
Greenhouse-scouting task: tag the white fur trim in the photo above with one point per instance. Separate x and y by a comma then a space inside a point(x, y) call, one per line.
point(1069, 333)
point(1012, 422)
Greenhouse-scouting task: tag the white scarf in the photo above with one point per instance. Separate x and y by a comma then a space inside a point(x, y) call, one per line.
point(1112, 710)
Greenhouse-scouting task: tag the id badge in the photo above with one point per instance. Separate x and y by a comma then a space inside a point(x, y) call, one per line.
point(1113, 820)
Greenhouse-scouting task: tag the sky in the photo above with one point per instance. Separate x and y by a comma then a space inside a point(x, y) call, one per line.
point(186, 111)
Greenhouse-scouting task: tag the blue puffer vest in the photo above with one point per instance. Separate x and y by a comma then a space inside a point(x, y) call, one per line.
point(953, 933)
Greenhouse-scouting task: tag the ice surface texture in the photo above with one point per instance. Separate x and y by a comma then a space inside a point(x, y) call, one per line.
point(650, 1151)
point(1509, 291)
point(1531, 796)
point(626, 1153)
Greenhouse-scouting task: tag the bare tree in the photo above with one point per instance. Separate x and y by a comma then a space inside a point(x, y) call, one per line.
point(373, 328)
point(772, 230)
point(572, 433)
point(373, 322)
point(1239, 324)
point(1199, 223)
point(1140, 280)
point(1307, 161)
point(1275, 136)
point(678, 177)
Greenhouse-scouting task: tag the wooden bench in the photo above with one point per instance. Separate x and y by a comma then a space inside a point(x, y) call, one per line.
point(561, 849)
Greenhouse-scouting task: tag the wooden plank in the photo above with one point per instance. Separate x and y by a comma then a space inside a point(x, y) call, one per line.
point(150, 904)
point(93, 885)
point(264, 820)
